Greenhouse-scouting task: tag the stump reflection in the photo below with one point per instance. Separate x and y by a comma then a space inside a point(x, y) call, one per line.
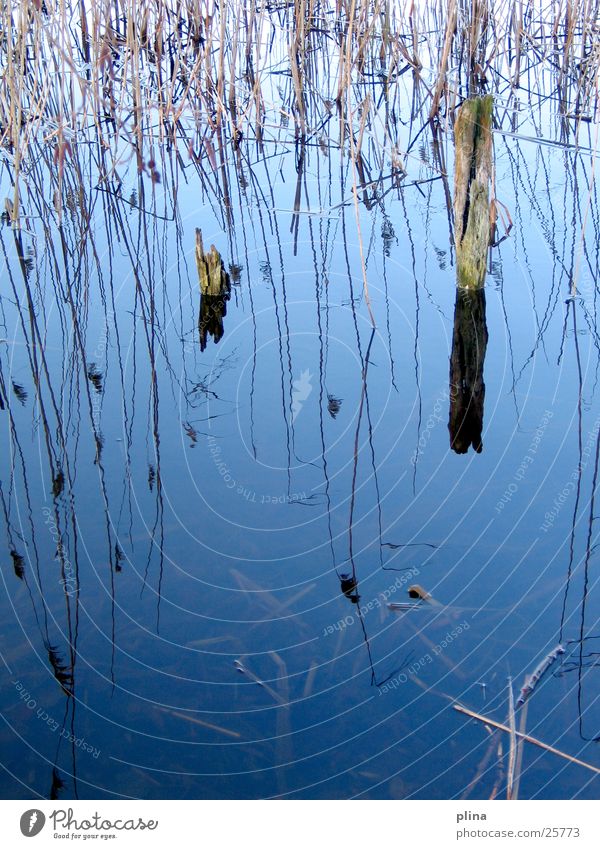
point(467, 389)
point(213, 308)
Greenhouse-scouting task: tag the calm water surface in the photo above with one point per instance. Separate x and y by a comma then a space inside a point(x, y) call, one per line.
point(199, 546)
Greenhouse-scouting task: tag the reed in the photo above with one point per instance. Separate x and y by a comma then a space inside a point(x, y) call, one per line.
point(135, 74)
point(512, 752)
point(527, 738)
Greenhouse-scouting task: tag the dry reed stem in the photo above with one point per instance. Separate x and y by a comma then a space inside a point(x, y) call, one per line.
point(443, 65)
point(195, 721)
point(526, 737)
point(512, 752)
point(520, 741)
point(353, 158)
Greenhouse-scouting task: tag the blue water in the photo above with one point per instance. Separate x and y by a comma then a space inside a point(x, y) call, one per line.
point(218, 503)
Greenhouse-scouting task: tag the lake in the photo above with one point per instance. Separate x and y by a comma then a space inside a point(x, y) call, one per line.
point(243, 554)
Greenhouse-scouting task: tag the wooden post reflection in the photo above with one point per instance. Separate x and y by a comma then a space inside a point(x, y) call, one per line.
point(467, 388)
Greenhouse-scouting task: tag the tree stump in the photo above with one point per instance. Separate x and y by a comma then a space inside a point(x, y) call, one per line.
point(472, 173)
point(211, 269)
point(215, 291)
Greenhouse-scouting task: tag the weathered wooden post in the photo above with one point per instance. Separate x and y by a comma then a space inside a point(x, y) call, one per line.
point(215, 291)
point(472, 173)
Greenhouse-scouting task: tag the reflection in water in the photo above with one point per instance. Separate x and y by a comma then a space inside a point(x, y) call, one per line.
point(213, 309)
point(91, 359)
point(129, 554)
point(467, 389)
point(584, 655)
point(349, 587)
